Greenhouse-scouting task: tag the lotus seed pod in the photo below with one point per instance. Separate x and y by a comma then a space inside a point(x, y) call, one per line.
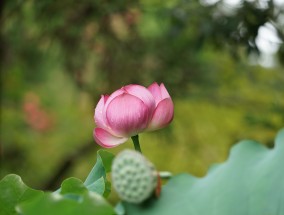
point(134, 178)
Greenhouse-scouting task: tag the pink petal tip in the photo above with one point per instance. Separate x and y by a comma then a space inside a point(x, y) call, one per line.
point(107, 140)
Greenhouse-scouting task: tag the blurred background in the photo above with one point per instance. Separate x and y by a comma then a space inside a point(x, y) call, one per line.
point(221, 61)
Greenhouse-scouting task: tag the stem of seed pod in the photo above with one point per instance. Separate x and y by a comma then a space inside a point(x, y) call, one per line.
point(135, 140)
point(165, 175)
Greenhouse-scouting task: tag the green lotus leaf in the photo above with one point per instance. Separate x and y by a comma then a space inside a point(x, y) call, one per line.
point(12, 192)
point(73, 185)
point(88, 203)
point(74, 198)
point(250, 182)
point(99, 171)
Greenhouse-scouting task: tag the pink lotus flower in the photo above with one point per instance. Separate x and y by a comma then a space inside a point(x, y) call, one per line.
point(131, 110)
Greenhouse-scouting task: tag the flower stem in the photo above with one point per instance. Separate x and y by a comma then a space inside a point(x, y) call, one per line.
point(135, 140)
point(165, 175)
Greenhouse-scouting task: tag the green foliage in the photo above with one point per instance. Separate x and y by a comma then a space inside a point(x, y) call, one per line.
point(12, 192)
point(105, 42)
point(73, 197)
point(249, 182)
point(96, 180)
point(72, 185)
